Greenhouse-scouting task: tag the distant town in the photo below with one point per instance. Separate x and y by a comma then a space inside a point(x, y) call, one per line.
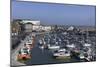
point(35, 43)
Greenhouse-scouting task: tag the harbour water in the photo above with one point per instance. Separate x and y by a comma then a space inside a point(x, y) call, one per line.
point(44, 57)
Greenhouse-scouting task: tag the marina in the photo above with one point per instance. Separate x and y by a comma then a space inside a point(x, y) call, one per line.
point(61, 46)
point(64, 33)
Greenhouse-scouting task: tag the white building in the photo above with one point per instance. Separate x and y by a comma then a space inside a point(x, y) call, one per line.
point(36, 25)
point(47, 28)
point(41, 28)
point(32, 21)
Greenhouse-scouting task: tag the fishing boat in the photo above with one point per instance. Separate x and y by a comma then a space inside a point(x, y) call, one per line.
point(24, 54)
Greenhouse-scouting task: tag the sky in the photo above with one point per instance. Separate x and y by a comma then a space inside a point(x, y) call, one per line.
point(51, 13)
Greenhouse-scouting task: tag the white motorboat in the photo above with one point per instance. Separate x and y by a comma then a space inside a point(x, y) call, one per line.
point(29, 44)
point(62, 50)
point(53, 47)
point(81, 56)
point(71, 46)
point(62, 53)
point(87, 45)
point(40, 42)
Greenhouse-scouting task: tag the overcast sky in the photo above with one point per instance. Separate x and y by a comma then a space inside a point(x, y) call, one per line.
point(54, 13)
